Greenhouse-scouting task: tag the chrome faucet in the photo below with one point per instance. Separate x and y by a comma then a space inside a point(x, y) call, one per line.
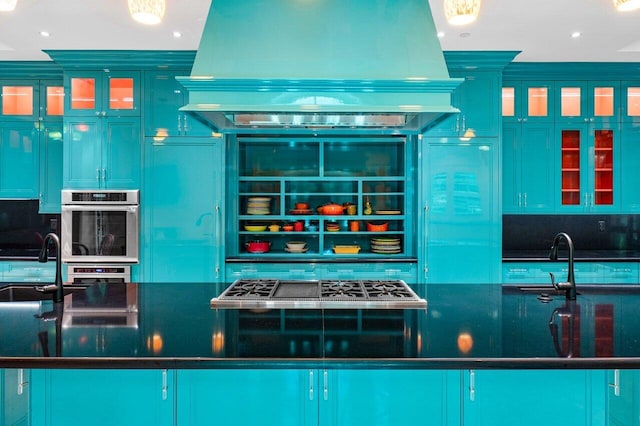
point(56, 287)
point(570, 285)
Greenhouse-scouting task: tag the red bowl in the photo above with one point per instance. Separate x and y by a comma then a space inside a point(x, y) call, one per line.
point(377, 227)
point(258, 246)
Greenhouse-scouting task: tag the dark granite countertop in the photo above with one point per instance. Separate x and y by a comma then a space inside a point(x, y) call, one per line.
point(464, 326)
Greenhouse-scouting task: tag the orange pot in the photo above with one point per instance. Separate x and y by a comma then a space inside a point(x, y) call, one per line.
point(331, 209)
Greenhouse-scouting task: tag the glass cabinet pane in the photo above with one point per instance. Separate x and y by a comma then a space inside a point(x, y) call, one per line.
point(538, 100)
point(55, 100)
point(17, 100)
point(603, 167)
point(121, 93)
point(508, 102)
point(364, 159)
point(603, 101)
point(633, 101)
point(279, 159)
point(83, 93)
point(570, 101)
point(570, 167)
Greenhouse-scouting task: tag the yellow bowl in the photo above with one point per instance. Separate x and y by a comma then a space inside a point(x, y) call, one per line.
point(346, 249)
point(255, 228)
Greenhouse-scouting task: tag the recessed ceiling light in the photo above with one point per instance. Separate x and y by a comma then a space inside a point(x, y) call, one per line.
point(45, 33)
point(177, 34)
point(576, 34)
point(440, 34)
point(465, 35)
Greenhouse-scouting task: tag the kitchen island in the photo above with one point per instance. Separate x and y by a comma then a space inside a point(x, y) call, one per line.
point(159, 351)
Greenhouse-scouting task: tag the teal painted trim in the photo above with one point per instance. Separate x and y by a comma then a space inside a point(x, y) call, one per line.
point(480, 60)
point(572, 71)
point(30, 70)
point(122, 59)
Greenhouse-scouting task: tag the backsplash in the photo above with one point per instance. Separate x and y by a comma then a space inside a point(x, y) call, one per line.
point(22, 228)
point(588, 232)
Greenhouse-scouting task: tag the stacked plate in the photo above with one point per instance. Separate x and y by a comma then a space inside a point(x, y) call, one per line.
point(259, 205)
point(332, 226)
point(385, 245)
point(296, 247)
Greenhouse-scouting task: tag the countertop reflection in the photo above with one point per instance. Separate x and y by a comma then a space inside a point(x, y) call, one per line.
point(464, 326)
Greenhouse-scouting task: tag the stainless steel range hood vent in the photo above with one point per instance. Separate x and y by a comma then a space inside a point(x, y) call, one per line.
point(357, 64)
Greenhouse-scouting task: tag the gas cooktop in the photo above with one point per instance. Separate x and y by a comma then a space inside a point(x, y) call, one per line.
point(318, 294)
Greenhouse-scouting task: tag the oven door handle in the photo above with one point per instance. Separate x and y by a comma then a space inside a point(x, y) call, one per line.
point(102, 207)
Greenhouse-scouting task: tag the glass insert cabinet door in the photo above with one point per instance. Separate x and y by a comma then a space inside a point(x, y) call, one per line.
point(587, 167)
point(322, 196)
point(103, 93)
point(524, 102)
point(32, 101)
point(588, 101)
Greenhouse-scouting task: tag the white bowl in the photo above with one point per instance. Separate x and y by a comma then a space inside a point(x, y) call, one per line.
point(296, 245)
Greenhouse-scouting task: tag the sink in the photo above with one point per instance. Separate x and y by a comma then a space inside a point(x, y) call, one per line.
point(29, 292)
point(585, 289)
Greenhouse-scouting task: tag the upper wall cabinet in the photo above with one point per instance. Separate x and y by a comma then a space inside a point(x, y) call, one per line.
point(630, 95)
point(593, 101)
point(31, 100)
point(163, 98)
point(527, 102)
point(102, 93)
point(478, 101)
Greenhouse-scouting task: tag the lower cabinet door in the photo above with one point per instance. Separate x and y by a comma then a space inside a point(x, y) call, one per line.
point(622, 397)
point(534, 397)
point(14, 394)
point(247, 397)
point(388, 398)
point(102, 397)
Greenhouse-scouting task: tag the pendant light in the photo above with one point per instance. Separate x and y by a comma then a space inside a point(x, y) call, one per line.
point(7, 5)
point(461, 12)
point(148, 12)
point(626, 5)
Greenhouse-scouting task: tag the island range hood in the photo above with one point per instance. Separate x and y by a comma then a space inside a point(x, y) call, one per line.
point(356, 64)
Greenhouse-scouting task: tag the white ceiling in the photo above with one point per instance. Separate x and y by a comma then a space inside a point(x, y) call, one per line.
point(541, 29)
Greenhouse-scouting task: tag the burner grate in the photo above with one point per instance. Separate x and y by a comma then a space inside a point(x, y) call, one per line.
point(341, 290)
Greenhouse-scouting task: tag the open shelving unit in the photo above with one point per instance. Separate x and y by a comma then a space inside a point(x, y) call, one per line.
point(361, 172)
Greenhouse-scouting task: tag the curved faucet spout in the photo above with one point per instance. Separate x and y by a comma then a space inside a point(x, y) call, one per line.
point(570, 285)
point(44, 257)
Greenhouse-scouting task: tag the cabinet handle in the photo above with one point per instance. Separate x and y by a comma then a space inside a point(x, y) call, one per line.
point(464, 123)
point(104, 175)
point(22, 383)
point(616, 382)
point(164, 385)
point(457, 123)
point(325, 391)
point(179, 123)
point(310, 385)
point(472, 385)
point(524, 120)
point(519, 199)
point(525, 199)
point(97, 174)
point(185, 125)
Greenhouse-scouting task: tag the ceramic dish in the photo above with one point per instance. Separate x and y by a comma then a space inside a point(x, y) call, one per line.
point(388, 212)
point(255, 228)
point(301, 211)
point(302, 250)
point(346, 249)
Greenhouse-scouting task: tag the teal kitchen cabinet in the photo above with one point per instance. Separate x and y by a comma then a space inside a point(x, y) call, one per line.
point(19, 160)
point(478, 99)
point(629, 165)
point(533, 397)
point(528, 166)
point(588, 178)
point(183, 191)
point(31, 100)
point(102, 93)
point(164, 97)
point(527, 102)
point(460, 206)
point(102, 397)
point(596, 102)
point(307, 271)
point(14, 394)
point(101, 152)
point(50, 176)
point(244, 397)
point(630, 98)
point(316, 397)
point(623, 394)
